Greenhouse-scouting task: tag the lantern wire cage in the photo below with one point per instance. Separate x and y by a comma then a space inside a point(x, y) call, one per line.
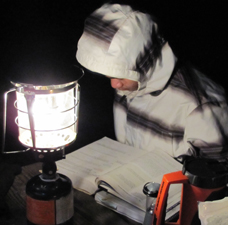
point(47, 116)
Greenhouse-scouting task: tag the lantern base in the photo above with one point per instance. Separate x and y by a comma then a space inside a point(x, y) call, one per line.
point(49, 198)
point(69, 222)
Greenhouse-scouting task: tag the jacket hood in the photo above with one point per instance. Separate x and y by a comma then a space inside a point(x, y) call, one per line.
point(119, 42)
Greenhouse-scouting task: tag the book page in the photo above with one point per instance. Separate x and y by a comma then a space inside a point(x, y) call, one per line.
point(96, 159)
point(128, 181)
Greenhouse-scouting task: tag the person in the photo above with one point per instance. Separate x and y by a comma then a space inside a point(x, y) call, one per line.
point(160, 102)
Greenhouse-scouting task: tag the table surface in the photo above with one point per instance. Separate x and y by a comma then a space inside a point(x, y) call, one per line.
point(86, 210)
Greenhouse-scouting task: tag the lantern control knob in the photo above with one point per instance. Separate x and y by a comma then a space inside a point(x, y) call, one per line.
point(49, 170)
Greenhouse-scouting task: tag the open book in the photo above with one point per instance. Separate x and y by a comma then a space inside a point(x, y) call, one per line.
point(121, 171)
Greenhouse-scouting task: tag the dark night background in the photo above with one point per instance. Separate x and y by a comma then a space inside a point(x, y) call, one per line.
point(48, 30)
point(40, 33)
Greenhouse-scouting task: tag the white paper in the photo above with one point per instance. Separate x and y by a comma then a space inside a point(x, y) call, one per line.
point(214, 212)
point(124, 168)
point(86, 164)
point(128, 180)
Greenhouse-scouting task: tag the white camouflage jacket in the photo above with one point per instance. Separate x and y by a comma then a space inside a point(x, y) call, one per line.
point(163, 113)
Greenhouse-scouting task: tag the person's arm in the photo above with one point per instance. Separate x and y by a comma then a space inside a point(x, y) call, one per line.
point(207, 131)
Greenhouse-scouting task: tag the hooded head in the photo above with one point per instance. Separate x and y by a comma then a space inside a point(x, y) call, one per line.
point(122, 43)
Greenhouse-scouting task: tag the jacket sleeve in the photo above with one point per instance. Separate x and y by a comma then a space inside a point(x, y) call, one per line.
point(206, 131)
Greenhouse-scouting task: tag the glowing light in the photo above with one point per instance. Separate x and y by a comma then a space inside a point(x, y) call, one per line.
point(54, 116)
